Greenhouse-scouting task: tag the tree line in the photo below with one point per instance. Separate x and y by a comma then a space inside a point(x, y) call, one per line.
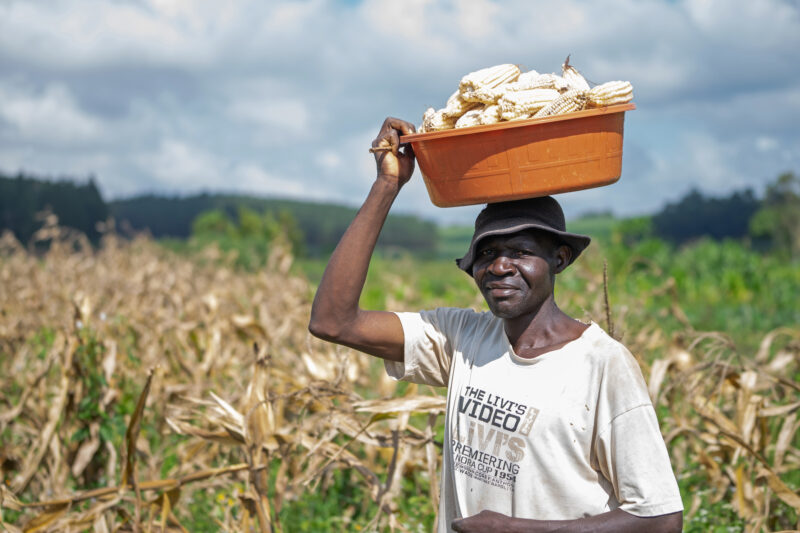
point(769, 222)
point(23, 200)
point(80, 206)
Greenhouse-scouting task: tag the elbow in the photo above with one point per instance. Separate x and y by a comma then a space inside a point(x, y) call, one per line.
point(321, 331)
point(325, 329)
point(331, 324)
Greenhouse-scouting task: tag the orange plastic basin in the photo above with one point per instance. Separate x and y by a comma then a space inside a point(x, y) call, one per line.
point(521, 159)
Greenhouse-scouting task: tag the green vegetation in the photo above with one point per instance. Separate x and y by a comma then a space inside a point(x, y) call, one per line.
point(321, 225)
point(778, 219)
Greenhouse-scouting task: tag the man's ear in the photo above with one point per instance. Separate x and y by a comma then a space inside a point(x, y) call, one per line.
point(563, 257)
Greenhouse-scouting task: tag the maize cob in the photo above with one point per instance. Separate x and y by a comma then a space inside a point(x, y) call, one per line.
point(573, 77)
point(527, 77)
point(513, 117)
point(525, 81)
point(485, 95)
point(474, 85)
point(572, 100)
point(540, 81)
point(436, 121)
point(470, 118)
point(501, 92)
point(610, 93)
point(490, 114)
point(457, 106)
point(516, 103)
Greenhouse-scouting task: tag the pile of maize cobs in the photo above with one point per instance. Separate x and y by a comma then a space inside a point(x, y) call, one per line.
point(505, 93)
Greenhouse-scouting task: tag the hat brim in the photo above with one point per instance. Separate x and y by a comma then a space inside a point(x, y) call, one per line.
point(504, 227)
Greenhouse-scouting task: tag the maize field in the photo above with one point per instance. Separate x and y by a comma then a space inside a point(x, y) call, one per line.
point(148, 391)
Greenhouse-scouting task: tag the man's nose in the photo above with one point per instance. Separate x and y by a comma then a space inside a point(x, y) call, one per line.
point(501, 265)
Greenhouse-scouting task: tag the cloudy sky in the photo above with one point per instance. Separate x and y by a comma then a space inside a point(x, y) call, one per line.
point(283, 97)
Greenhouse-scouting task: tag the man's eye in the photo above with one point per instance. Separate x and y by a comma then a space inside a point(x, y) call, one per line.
point(486, 252)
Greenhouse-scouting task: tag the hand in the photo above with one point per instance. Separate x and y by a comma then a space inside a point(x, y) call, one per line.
point(396, 165)
point(485, 521)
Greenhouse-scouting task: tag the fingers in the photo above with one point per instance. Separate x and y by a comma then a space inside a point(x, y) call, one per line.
point(405, 128)
point(389, 135)
point(393, 160)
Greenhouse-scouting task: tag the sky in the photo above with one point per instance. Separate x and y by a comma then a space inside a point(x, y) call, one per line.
point(283, 97)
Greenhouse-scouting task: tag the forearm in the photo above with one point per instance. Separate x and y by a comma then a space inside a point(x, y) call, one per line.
point(336, 302)
point(616, 521)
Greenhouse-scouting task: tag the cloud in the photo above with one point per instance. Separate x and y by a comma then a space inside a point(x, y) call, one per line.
point(284, 97)
point(290, 116)
point(329, 160)
point(180, 165)
point(49, 116)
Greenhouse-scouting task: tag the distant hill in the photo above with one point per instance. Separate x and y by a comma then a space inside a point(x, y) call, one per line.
point(80, 206)
point(322, 224)
point(23, 197)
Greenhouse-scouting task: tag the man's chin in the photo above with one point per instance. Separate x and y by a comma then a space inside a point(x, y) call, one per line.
point(503, 309)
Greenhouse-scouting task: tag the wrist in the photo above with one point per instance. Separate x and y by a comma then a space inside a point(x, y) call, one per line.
point(388, 183)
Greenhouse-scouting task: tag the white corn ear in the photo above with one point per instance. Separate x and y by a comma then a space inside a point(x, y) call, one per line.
point(484, 95)
point(490, 114)
point(436, 121)
point(517, 103)
point(511, 117)
point(572, 100)
point(610, 93)
point(470, 118)
point(542, 81)
point(457, 106)
point(524, 81)
point(573, 77)
point(475, 85)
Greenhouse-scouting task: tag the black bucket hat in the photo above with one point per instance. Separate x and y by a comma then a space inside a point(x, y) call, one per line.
point(502, 218)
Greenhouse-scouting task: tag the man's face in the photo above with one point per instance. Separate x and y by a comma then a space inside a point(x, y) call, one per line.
point(516, 272)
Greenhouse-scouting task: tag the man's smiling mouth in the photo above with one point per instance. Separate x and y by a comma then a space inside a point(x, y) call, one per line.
point(500, 289)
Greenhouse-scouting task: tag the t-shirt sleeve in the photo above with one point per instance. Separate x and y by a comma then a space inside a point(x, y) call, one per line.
point(428, 349)
point(632, 455)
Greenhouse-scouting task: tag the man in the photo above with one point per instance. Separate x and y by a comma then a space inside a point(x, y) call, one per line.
point(549, 426)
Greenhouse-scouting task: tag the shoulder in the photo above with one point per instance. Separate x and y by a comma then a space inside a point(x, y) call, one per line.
point(448, 320)
point(619, 371)
point(455, 314)
point(607, 349)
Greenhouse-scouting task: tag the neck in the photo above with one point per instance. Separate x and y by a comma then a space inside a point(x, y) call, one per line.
point(547, 326)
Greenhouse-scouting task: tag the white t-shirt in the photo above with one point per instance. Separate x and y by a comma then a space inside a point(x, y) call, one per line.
point(571, 433)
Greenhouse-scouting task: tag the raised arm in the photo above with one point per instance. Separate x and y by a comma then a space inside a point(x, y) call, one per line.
point(335, 314)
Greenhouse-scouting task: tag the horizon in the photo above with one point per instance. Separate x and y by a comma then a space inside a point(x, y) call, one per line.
point(582, 216)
